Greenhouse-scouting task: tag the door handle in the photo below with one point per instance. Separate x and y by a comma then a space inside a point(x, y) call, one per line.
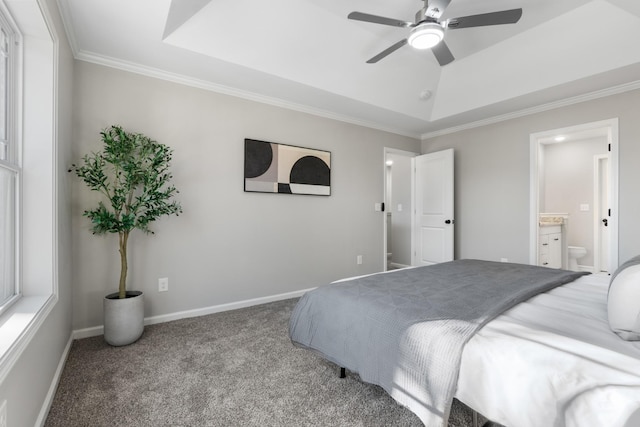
point(605, 222)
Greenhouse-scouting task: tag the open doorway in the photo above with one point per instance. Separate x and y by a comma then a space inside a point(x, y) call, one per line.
point(398, 200)
point(574, 196)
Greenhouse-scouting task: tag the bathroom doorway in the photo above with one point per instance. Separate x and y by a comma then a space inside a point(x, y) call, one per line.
point(574, 188)
point(398, 200)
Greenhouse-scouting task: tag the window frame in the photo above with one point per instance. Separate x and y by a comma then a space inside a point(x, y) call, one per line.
point(13, 150)
point(42, 177)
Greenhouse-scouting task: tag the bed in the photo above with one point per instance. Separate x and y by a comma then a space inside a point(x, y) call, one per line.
point(546, 356)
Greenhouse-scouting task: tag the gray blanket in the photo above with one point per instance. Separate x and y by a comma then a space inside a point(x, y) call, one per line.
point(405, 330)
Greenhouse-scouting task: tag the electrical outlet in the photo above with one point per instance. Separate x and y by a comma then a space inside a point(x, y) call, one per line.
point(163, 286)
point(359, 259)
point(504, 260)
point(3, 414)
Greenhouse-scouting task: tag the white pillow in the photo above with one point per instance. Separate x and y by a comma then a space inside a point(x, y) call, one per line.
point(623, 301)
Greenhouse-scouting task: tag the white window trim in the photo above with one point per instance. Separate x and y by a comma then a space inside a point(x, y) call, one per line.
point(12, 161)
point(13, 120)
point(38, 195)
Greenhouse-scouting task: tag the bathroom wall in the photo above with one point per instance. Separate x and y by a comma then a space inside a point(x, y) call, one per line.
point(399, 206)
point(569, 183)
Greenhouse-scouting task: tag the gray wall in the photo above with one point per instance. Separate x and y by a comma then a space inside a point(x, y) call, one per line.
point(228, 246)
point(492, 177)
point(27, 384)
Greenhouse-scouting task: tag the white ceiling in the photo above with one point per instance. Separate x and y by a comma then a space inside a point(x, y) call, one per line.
point(306, 54)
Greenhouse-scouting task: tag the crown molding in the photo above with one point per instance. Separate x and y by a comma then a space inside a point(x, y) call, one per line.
point(277, 102)
point(614, 90)
point(227, 90)
point(68, 28)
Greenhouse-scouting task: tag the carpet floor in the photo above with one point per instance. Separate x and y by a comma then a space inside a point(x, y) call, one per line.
point(236, 368)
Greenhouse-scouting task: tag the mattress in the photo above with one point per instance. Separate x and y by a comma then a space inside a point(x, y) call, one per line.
point(554, 361)
point(405, 331)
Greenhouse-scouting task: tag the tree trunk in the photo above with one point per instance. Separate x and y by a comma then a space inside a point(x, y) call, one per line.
point(122, 287)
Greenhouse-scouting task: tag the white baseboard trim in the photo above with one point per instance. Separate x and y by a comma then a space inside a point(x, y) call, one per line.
point(48, 400)
point(588, 268)
point(396, 265)
point(99, 330)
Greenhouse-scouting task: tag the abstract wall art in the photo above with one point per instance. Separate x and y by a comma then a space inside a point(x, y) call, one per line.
point(279, 168)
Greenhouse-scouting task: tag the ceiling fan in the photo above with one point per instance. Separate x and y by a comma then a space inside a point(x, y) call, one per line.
point(427, 32)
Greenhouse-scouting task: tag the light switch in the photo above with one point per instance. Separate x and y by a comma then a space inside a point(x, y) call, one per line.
point(399, 207)
point(584, 207)
point(377, 207)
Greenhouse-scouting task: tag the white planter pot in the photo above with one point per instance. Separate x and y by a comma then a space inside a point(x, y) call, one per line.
point(123, 318)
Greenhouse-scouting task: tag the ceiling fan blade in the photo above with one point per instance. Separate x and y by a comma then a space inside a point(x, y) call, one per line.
point(359, 16)
point(442, 53)
point(436, 8)
point(493, 18)
point(387, 51)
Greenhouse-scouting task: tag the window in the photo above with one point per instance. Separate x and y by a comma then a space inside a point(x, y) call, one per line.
point(29, 176)
point(9, 169)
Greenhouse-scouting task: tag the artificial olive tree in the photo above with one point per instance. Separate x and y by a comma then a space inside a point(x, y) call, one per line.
point(132, 173)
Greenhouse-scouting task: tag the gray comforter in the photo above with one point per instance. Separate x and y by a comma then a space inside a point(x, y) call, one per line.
point(405, 330)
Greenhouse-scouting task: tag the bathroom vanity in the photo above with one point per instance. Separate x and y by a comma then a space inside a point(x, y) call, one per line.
point(550, 246)
point(552, 240)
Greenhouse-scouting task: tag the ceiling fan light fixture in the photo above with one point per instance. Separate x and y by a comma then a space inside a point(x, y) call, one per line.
point(426, 35)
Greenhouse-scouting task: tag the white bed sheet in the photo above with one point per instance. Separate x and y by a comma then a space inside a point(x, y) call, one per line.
point(552, 361)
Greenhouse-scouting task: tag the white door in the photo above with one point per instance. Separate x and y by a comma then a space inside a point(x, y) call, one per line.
point(433, 215)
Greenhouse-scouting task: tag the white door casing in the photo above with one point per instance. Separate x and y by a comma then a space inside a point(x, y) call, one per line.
point(390, 154)
point(536, 159)
point(601, 213)
point(433, 224)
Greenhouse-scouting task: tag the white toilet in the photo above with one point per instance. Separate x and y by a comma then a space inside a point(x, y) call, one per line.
point(575, 253)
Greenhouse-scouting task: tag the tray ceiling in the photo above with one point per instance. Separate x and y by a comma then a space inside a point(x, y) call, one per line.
point(306, 54)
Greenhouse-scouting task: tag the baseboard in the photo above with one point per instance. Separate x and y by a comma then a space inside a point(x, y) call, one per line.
point(99, 330)
point(51, 393)
point(588, 268)
point(396, 265)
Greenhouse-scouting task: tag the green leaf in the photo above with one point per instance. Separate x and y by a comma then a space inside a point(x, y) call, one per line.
point(132, 172)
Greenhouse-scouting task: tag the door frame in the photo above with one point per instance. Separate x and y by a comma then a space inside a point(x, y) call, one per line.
point(598, 162)
point(536, 158)
point(397, 152)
